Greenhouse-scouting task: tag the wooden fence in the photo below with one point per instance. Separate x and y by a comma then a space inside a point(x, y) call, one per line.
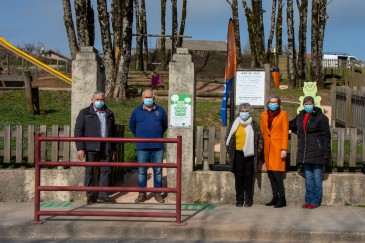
point(348, 148)
point(17, 145)
point(348, 107)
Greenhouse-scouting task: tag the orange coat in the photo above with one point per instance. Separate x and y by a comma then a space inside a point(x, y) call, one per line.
point(275, 140)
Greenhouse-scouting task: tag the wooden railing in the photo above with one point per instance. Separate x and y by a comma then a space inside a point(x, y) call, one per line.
point(18, 146)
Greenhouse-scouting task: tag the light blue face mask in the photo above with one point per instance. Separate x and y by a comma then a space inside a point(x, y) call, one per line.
point(273, 106)
point(148, 102)
point(99, 104)
point(244, 115)
point(308, 108)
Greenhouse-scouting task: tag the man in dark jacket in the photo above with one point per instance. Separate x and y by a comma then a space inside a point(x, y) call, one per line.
point(314, 148)
point(96, 120)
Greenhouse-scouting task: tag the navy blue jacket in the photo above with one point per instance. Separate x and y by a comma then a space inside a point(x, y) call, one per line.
point(148, 124)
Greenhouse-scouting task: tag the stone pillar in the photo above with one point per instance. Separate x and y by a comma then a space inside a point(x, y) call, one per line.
point(87, 77)
point(181, 82)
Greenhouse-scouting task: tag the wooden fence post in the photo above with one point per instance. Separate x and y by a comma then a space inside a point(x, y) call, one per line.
point(28, 91)
point(348, 121)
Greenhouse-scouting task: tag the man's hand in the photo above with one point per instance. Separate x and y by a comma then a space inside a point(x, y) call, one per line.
point(283, 154)
point(81, 154)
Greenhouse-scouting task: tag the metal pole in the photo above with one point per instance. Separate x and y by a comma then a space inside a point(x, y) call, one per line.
point(178, 179)
point(37, 179)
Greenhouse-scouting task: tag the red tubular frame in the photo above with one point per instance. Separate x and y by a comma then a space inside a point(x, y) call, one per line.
point(39, 188)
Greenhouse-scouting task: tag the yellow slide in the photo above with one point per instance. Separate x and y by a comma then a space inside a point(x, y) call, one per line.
point(33, 60)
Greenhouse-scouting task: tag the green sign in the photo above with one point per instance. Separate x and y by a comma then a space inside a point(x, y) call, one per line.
point(180, 110)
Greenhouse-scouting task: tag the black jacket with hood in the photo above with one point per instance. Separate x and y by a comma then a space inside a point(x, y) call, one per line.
point(314, 143)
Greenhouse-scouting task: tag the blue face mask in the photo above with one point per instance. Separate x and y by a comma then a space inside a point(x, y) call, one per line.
point(148, 102)
point(273, 106)
point(308, 108)
point(244, 115)
point(99, 104)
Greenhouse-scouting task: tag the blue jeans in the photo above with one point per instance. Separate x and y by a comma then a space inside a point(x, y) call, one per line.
point(313, 183)
point(153, 156)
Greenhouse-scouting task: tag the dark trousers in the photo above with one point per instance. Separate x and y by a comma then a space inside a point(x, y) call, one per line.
point(243, 174)
point(277, 183)
point(104, 172)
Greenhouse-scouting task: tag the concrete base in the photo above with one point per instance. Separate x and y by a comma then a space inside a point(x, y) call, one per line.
point(206, 186)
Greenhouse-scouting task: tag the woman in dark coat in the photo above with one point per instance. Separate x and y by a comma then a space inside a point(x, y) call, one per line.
point(314, 149)
point(244, 143)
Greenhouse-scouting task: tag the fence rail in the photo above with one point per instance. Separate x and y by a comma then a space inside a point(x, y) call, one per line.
point(18, 145)
point(348, 106)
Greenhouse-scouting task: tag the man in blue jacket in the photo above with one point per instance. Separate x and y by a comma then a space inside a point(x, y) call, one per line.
point(96, 120)
point(149, 121)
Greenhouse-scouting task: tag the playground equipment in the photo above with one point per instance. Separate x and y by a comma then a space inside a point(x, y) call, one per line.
point(33, 60)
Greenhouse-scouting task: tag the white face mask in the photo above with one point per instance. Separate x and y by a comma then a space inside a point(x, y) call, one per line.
point(244, 115)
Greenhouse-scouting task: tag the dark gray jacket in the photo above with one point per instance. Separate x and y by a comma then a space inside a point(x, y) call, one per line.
point(88, 125)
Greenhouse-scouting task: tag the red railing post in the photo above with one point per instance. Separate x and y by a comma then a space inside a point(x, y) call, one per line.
point(178, 178)
point(37, 178)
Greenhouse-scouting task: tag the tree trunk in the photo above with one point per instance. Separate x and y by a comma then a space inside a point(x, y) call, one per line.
point(117, 21)
point(139, 40)
point(119, 92)
point(144, 32)
point(271, 35)
point(174, 25)
point(291, 46)
point(107, 46)
point(69, 24)
point(182, 23)
point(90, 34)
point(314, 40)
point(302, 53)
point(279, 28)
point(237, 35)
point(81, 21)
point(322, 19)
point(163, 32)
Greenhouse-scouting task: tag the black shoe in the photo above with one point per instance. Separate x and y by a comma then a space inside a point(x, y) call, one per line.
point(106, 200)
point(248, 204)
point(239, 200)
point(91, 200)
point(273, 201)
point(281, 203)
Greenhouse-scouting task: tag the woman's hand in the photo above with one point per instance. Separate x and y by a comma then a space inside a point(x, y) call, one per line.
point(283, 154)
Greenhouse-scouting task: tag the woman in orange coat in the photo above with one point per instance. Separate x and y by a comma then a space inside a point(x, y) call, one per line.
point(275, 127)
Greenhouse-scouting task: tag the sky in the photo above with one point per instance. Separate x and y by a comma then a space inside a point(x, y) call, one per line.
point(41, 21)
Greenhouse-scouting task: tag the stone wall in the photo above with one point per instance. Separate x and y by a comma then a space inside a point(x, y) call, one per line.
point(206, 186)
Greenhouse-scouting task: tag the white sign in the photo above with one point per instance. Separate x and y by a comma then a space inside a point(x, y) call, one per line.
point(250, 87)
point(180, 110)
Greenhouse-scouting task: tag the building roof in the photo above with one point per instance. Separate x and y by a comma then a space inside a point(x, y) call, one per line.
point(199, 45)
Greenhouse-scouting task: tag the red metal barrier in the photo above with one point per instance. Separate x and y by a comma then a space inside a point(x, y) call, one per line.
point(39, 188)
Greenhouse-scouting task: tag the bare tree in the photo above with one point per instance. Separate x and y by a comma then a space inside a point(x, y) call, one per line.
point(255, 32)
point(139, 40)
point(237, 35)
point(67, 18)
point(291, 45)
point(279, 28)
point(302, 38)
point(272, 28)
point(144, 33)
point(174, 25)
point(163, 32)
point(84, 22)
point(182, 23)
point(107, 46)
point(119, 92)
point(117, 23)
point(319, 18)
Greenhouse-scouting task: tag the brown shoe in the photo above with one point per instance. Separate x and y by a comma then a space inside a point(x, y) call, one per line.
point(159, 198)
point(141, 198)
